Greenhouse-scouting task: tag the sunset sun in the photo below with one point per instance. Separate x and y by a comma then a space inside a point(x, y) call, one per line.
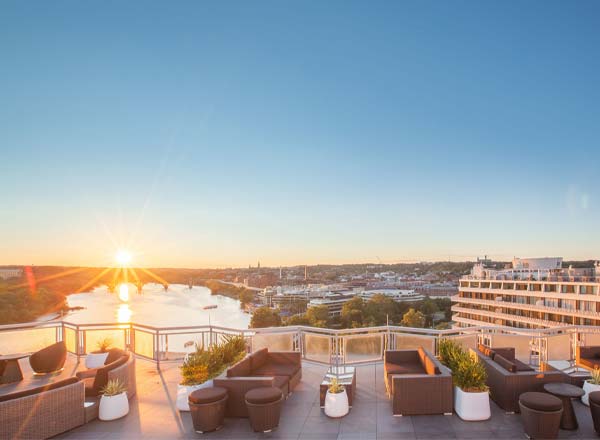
point(123, 257)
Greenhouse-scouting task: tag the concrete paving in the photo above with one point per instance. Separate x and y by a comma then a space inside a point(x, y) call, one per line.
point(153, 414)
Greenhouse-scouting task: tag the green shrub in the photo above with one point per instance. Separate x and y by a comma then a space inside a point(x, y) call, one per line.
point(467, 372)
point(205, 364)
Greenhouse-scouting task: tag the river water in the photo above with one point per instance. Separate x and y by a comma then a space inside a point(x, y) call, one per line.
point(178, 306)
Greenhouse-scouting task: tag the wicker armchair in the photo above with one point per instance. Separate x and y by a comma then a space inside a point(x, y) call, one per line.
point(417, 383)
point(506, 386)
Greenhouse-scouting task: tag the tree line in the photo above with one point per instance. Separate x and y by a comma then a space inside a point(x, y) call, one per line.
point(378, 310)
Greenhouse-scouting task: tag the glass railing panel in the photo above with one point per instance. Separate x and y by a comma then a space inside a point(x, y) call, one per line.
point(559, 348)
point(317, 347)
point(25, 341)
point(589, 339)
point(521, 343)
point(175, 346)
point(465, 341)
point(93, 338)
point(363, 348)
point(273, 341)
point(143, 343)
point(70, 338)
point(402, 341)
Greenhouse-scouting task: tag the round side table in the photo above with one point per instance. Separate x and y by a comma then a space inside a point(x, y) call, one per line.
point(565, 392)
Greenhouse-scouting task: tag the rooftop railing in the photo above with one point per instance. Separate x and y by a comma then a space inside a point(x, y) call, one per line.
point(327, 346)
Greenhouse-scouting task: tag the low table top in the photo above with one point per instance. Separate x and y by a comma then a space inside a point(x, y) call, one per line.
point(12, 357)
point(563, 389)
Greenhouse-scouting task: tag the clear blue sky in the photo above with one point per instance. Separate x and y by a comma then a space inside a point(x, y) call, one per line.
point(218, 134)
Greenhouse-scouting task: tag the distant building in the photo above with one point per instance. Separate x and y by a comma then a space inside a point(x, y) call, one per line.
point(333, 301)
point(396, 294)
point(531, 293)
point(261, 280)
point(10, 272)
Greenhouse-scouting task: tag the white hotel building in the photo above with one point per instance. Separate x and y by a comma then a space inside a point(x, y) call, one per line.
point(533, 293)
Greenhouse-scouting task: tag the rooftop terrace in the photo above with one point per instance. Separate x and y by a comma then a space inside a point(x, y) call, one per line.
point(153, 414)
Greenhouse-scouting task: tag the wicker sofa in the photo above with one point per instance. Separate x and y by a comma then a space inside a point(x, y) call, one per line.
point(588, 357)
point(43, 412)
point(508, 378)
point(417, 383)
point(259, 369)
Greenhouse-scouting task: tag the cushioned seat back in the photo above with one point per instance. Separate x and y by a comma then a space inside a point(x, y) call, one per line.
point(258, 358)
point(242, 369)
point(101, 378)
point(507, 353)
point(113, 355)
point(32, 391)
point(49, 359)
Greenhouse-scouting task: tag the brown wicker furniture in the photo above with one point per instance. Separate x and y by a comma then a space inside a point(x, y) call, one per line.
point(594, 399)
point(10, 370)
point(260, 369)
point(42, 412)
point(566, 392)
point(588, 357)
point(345, 376)
point(507, 384)
point(50, 359)
point(264, 408)
point(540, 414)
point(207, 407)
point(417, 383)
point(123, 369)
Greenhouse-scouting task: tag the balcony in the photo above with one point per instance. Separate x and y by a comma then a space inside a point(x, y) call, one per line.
point(532, 307)
point(508, 316)
point(153, 413)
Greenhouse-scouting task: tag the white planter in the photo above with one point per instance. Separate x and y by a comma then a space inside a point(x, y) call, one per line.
point(588, 388)
point(113, 407)
point(184, 391)
point(95, 360)
point(472, 406)
point(336, 405)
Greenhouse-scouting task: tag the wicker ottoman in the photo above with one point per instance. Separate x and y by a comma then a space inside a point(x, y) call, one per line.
point(264, 408)
point(207, 406)
point(540, 414)
point(594, 398)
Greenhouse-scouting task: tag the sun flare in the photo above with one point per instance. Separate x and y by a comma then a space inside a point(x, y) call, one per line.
point(123, 257)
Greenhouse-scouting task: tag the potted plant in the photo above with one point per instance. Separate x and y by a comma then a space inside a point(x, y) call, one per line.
point(336, 400)
point(113, 403)
point(96, 359)
point(471, 394)
point(590, 385)
point(203, 365)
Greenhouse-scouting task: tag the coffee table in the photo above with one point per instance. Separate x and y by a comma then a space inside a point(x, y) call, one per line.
point(345, 375)
point(12, 369)
point(565, 392)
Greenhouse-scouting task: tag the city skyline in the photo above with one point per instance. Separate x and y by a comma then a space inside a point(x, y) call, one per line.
point(213, 135)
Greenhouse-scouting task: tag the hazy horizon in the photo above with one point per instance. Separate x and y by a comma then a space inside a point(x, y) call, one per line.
point(219, 134)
